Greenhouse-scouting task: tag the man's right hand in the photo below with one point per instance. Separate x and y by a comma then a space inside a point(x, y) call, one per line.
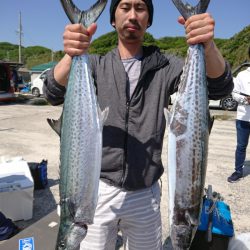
point(77, 38)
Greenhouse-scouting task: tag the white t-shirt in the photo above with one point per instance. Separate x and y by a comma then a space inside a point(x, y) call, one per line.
point(242, 84)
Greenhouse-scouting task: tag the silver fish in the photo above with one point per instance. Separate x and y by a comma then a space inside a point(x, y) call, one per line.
point(188, 134)
point(80, 146)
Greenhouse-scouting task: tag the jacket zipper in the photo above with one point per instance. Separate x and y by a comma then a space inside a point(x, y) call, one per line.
point(125, 144)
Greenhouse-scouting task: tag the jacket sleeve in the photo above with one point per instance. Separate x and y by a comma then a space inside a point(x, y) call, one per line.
point(222, 86)
point(53, 91)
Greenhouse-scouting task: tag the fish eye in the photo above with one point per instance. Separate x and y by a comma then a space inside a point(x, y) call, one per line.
point(62, 244)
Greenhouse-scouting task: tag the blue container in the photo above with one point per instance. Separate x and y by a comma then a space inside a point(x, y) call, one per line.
point(221, 218)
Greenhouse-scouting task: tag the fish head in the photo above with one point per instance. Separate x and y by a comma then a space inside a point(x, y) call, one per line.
point(71, 236)
point(182, 236)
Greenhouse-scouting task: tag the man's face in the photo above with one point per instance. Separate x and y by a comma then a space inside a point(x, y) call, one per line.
point(131, 19)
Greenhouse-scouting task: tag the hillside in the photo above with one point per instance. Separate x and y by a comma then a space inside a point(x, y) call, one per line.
point(233, 49)
point(31, 56)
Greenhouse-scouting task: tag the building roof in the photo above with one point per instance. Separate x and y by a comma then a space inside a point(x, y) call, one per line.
point(23, 70)
point(42, 67)
point(11, 64)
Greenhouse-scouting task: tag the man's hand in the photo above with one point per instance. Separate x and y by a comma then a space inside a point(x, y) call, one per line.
point(77, 38)
point(199, 29)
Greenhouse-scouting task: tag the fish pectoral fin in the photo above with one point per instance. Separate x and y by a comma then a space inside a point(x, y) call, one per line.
point(103, 115)
point(70, 205)
point(190, 219)
point(167, 115)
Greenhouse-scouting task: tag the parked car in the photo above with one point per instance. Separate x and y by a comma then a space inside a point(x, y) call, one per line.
point(227, 103)
point(37, 85)
point(6, 85)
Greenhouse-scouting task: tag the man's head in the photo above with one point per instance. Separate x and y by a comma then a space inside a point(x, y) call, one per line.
point(114, 4)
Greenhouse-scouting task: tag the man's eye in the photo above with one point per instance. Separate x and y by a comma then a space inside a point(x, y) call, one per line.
point(141, 7)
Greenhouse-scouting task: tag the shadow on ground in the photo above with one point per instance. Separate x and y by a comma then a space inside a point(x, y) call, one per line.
point(246, 168)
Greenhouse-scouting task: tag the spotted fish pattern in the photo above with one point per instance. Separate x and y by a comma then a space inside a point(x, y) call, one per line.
point(188, 134)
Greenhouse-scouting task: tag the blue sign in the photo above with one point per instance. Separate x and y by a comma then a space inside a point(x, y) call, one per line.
point(26, 244)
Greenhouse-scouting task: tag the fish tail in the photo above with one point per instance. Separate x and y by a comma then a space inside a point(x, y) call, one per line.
point(86, 17)
point(188, 10)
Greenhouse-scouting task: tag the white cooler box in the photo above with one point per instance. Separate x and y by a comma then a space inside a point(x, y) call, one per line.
point(16, 190)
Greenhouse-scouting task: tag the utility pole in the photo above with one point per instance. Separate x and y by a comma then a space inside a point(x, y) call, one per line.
point(20, 33)
point(52, 55)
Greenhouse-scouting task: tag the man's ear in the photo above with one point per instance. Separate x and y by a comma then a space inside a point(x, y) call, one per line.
point(113, 24)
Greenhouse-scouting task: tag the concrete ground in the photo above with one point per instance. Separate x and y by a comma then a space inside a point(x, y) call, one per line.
point(24, 132)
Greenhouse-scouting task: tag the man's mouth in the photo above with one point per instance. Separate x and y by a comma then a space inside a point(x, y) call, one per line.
point(132, 27)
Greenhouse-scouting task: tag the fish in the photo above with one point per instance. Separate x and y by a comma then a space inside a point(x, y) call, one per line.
point(80, 156)
point(80, 128)
point(188, 135)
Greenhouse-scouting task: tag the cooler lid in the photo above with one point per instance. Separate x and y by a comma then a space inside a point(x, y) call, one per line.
point(15, 175)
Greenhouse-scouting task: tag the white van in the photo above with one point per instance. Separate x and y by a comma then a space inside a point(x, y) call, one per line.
point(37, 84)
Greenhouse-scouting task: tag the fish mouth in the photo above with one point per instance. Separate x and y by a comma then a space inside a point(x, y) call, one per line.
point(72, 237)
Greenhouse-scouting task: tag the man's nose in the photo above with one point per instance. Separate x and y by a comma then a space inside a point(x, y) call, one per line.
point(132, 13)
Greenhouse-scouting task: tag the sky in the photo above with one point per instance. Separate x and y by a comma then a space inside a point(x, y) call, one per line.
point(43, 21)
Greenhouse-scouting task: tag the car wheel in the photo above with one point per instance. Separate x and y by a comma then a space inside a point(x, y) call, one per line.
point(36, 92)
point(228, 103)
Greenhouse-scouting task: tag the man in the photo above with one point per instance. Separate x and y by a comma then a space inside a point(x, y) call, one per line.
point(135, 82)
point(241, 85)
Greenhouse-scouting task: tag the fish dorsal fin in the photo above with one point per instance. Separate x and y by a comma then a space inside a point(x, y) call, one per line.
point(55, 124)
point(188, 10)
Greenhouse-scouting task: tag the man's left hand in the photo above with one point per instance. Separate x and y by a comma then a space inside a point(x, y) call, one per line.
point(199, 29)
